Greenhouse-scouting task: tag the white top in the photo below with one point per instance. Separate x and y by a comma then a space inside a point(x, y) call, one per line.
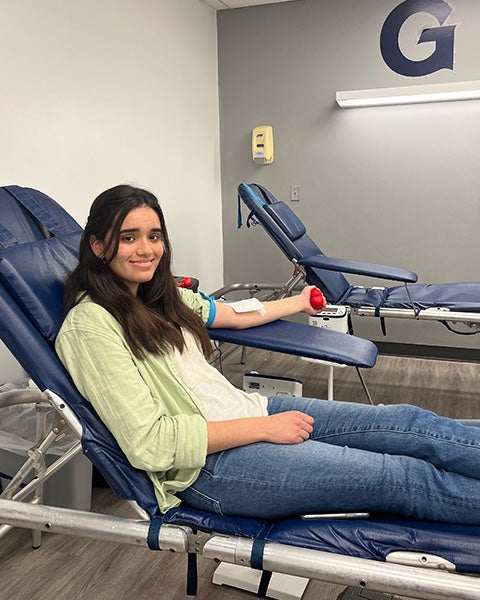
point(219, 398)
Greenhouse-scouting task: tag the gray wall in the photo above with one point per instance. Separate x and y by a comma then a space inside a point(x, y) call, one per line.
point(397, 185)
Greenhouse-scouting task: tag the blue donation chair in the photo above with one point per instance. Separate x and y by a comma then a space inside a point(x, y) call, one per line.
point(456, 305)
point(421, 559)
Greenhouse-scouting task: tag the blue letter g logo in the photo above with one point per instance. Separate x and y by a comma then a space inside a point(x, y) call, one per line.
point(442, 57)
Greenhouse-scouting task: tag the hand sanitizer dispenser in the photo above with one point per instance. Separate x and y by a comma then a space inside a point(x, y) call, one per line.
point(262, 145)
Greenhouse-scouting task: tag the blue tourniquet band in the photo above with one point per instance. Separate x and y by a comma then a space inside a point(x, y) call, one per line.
point(212, 310)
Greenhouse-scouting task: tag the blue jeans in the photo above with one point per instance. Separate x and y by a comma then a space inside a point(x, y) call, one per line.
point(397, 459)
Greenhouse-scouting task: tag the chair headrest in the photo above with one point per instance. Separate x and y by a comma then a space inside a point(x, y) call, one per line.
point(33, 274)
point(286, 219)
point(29, 215)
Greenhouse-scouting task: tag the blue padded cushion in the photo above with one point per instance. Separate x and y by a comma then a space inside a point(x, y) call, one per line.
point(34, 273)
point(360, 296)
point(461, 297)
point(458, 297)
point(300, 339)
point(286, 219)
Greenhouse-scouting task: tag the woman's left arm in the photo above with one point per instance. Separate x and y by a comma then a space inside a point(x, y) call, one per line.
point(275, 309)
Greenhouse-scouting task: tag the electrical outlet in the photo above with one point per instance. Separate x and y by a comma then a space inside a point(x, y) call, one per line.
point(295, 193)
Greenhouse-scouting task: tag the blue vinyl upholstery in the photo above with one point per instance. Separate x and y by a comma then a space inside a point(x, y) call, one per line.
point(372, 538)
point(303, 340)
point(31, 215)
point(458, 297)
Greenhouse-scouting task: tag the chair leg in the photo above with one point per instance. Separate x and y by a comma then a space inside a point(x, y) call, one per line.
point(36, 539)
point(330, 383)
point(364, 385)
point(243, 356)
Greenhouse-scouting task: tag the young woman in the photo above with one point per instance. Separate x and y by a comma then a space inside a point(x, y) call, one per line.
point(135, 346)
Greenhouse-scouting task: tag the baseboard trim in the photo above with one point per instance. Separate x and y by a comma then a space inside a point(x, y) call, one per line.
point(430, 352)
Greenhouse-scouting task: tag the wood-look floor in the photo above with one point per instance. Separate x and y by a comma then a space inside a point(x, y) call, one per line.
point(70, 568)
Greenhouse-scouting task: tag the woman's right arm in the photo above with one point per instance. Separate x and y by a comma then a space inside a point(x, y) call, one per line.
point(291, 427)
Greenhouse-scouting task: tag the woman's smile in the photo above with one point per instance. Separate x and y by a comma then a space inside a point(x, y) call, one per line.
point(142, 264)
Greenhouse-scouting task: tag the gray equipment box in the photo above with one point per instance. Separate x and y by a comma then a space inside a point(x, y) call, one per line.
point(269, 385)
point(331, 317)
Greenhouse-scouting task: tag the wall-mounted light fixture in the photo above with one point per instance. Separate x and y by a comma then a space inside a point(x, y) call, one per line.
point(435, 92)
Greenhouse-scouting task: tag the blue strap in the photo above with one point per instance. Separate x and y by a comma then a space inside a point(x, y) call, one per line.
point(256, 562)
point(7, 238)
point(28, 201)
point(256, 558)
point(264, 583)
point(239, 213)
point(381, 303)
point(192, 574)
point(383, 325)
point(152, 541)
point(153, 533)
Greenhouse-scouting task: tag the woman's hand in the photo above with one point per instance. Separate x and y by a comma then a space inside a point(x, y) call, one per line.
point(292, 427)
point(313, 299)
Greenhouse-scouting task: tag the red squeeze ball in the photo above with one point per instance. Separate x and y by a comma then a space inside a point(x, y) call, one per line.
point(186, 282)
point(317, 299)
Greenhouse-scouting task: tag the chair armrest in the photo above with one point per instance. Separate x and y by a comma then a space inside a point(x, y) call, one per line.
point(342, 265)
point(21, 396)
point(300, 339)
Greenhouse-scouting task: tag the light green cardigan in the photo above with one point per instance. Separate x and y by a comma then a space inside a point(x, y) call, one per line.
point(156, 421)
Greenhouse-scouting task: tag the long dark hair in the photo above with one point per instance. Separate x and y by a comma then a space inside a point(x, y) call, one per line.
point(153, 319)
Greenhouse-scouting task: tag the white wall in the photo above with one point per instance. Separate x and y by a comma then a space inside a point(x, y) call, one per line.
point(118, 91)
